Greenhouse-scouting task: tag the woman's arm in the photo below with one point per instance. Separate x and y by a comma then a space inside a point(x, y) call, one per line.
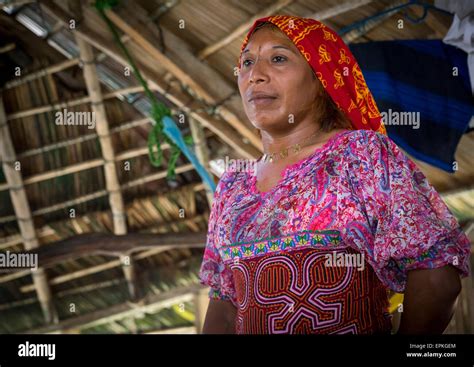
point(430, 297)
point(220, 318)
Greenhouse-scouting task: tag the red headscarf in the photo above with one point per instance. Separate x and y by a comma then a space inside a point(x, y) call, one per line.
point(333, 64)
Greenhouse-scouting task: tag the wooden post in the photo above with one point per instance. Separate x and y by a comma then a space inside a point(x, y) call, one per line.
point(111, 177)
point(229, 135)
point(23, 215)
point(140, 35)
point(100, 193)
point(71, 103)
point(242, 29)
point(150, 304)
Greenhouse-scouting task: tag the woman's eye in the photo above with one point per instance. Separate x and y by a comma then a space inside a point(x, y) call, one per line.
point(246, 63)
point(279, 59)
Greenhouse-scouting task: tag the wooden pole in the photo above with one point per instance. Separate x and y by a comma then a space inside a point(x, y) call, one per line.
point(23, 214)
point(43, 72)
point(151, 304)
point(242, 29)
point(75, 102)
point(102, 267)
point(60, 66)
point(100, 193)
point(338, 9)
point(78, 167)
point(177, 97)
point(83, 138)
point(111, 177)
point(46, 231)
point(163, 60)
point(140, 35)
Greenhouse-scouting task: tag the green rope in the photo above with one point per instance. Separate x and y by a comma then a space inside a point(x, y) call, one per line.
point(158, 109)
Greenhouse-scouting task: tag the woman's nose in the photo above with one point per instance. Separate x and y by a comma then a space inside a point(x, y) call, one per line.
point(258, 73)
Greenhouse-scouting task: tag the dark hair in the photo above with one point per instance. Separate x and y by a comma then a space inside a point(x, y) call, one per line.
point(331, 116)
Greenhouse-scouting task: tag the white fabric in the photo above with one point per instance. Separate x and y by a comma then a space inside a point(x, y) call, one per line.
point(461, 32)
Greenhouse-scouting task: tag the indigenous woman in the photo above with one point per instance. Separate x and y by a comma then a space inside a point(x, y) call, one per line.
point(333, 215)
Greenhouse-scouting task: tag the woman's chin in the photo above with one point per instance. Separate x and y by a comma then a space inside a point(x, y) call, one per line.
point(265, 121)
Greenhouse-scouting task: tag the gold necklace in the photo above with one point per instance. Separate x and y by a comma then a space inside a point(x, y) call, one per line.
point(295, 148)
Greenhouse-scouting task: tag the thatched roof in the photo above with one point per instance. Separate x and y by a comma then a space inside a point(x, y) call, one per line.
point(191, 69)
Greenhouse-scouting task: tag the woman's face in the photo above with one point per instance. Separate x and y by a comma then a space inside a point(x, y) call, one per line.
point(275, 81)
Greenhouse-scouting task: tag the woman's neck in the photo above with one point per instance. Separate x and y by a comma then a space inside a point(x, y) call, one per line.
point(306, 136)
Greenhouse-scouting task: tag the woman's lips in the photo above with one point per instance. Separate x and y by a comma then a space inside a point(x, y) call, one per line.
point(262, 101)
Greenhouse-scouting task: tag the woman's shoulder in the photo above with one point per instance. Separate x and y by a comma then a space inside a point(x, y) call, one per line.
point(367, 138)
point(369, 144)
point(228, 182)
point(374, 151)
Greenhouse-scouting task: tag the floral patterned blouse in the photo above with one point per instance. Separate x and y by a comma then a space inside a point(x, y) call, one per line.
point(319, 251)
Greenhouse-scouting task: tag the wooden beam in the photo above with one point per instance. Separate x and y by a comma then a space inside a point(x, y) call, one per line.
point(61, 279)
point(110, 171)
point(16, 275)
point(242, 29)
point(142, 254)
point(150, 304)
point(180, 99)
point(371, 24)
point(46, 231)
point(335, 10)
point(100, 193)
point(7, 48)
point(83, 138)
point(114, 245)
point(59, 66)
point(82, 166)
point(218, 87)
point(203, 75)
point(13, 240)
point(102, 127)
point(43, 72)
point(75, 102)
point(191, 222)
point(163, 60)
point(23, 214)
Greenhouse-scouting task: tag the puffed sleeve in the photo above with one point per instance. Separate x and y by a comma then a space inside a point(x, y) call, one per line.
point(213, 272)
point(411, 226)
